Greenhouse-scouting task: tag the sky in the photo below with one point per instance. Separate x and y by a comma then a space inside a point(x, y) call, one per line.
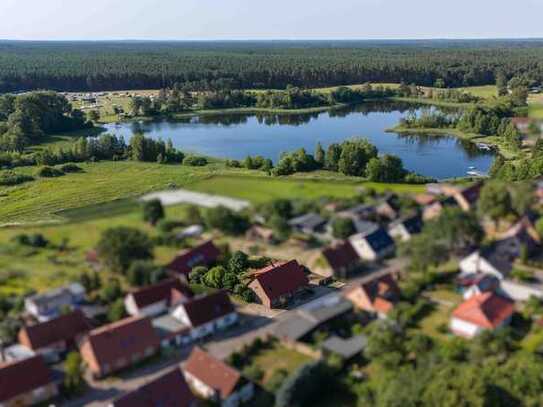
point(269, 19)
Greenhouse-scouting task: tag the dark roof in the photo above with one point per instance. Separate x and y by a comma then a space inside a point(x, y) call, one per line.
point(122, 339)
point(498, 257)
point(413, 224)
point(23, 376)
point(171, 290)
point(64, 328)
point(308, 221)
point(379, 239)
point(471, 193)
point(341, 255)
point(381, 290)
point(202, 255)
point(304, 320)
point(169, 390)
point(205, 308)
point(346, 348)
point(280, 279)
point(213, 372)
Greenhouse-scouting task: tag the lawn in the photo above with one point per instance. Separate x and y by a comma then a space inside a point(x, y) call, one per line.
point(485, 92)
point(278, 357)
point(103, 188)
point(438, 317)
point(22, 269)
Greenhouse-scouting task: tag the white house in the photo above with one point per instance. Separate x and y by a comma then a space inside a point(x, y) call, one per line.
point(157, 299)
point(46, 306)
point(373, 245)
point(212, 379)
point(486, 262)
point(206, 314)
point(488, 311)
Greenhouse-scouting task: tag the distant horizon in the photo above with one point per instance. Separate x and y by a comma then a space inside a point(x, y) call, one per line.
point(249, 20)
point(279, 39)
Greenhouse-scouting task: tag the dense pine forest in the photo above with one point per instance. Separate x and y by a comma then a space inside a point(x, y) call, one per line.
point(82, 66)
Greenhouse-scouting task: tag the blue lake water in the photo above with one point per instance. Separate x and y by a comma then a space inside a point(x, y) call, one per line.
point(237, 135)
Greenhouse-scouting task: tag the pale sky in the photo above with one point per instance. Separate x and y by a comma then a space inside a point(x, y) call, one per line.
point(270, 19)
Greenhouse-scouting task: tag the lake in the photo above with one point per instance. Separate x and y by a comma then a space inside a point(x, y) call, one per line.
point(235, 136)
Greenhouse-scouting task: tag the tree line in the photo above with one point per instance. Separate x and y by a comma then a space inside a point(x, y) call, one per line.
point(71, 66)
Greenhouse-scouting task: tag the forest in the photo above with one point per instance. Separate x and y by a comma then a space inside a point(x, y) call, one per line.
point(95, 66)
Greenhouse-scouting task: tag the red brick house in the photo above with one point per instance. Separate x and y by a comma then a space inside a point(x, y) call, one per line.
point(26, 382)
point(214, 380)
point(276, 284)
point(56, 336)
point(158, 298)
point(342, 259)
point(202, 255)
point(169, 390)
point(376, 294)
point(116, 346)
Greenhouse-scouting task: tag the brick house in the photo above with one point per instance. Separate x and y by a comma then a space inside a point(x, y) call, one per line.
point(202, 255)
point(54, 337)
point(119, 345)
point(169, 390)
point(214, 380)
point(157, 299)
point(376, 294)
point(26, 382)
point(276, 284)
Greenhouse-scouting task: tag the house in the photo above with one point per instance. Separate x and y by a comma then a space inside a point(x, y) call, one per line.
point(54, 337)
point(433, 211)
point(389, 207)
point(491, 260)
point(26, 382)
point(425, 199)
point(342, 259)
point(478, 284)
point(214, 380)
point(309, 224)
point(404, 229)
point(376, 294)
point(373, 246)
point(158, 298)
point(202, 255)
point(45, 306)
point(168, 390)
point(276, 284)
point(261, 233)
point(359, 212)
point(205, 314)
point(467, 198)
point(521, 236)
point(481, 312)
point(118, 345)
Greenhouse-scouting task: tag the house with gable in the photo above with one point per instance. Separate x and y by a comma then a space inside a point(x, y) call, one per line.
point(203, 255)
point(276, 284)
point(374, 245)
point(158, 298)
point(214, 380)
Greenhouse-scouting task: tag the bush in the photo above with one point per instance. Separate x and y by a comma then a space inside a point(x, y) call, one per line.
point(49, 172)
point(67, 168)
point(9, 178)
point(195, 161)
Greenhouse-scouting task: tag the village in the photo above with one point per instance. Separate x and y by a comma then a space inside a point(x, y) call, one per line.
point(232, 325)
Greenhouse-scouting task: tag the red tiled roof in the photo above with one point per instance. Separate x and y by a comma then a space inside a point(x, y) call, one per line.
point(172, 290)
point(205, 308)
point(21, 377)
point(202, 255)
point(340, 255)
point(213, 372)
point(487, 310)
point(122, 339)
point(280, 279)
point(381, 292)
point(169, 390)
point(64, 328)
